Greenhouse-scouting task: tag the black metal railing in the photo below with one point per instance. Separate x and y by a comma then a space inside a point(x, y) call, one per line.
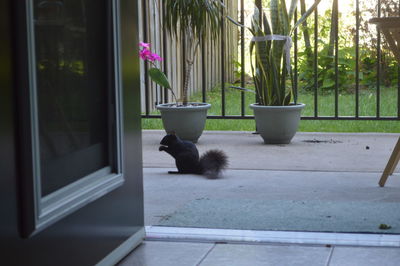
point(316, 88)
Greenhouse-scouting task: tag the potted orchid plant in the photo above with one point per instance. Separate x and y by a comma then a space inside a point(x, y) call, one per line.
point(189, 22)
point(154, 72)
point(185, 120)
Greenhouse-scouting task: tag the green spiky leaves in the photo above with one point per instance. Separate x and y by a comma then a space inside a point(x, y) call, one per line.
point(269, 67)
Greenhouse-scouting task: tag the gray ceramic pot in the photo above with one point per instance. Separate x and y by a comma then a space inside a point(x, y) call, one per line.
point(187, 122)
point(277, 124)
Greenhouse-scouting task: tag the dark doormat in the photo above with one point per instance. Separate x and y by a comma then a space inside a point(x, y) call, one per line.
point(288, 215)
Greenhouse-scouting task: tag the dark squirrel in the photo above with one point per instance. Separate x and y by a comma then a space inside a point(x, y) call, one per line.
point(187, 158)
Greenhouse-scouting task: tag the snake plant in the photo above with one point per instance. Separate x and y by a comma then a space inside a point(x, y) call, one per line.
point(269, 67)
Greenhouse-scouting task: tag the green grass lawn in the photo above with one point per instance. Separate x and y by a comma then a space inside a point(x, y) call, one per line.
point(326, 107)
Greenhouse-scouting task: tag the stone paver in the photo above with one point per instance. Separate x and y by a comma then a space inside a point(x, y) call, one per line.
point(155, 253)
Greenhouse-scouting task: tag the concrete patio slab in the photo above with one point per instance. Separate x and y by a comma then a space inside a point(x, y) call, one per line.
point(362, 152)
point(325, 170)
point(273, 200)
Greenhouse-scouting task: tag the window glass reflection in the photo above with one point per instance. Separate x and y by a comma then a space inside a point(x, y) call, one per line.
point(72, 89)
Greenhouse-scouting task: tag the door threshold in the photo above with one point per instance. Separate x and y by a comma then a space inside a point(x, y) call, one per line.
point(163, 233)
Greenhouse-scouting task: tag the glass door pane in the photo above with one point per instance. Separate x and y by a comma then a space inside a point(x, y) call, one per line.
point(74, 113)
point(72, 80)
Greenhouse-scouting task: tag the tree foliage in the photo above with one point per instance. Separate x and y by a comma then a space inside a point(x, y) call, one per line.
point(368, 47)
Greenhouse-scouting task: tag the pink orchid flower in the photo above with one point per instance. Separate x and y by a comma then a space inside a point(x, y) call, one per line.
point(144, 44)
point(144, 54)
point(155, 73)
point(154, 57)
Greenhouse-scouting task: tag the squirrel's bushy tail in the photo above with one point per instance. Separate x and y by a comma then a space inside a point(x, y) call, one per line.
point(212, 162)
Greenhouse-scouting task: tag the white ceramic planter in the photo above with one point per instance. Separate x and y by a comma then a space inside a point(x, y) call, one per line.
point(277, 124)
point(187, 122)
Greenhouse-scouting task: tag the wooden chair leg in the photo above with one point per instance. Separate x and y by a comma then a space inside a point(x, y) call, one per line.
point(396, 161)
point(391, 165)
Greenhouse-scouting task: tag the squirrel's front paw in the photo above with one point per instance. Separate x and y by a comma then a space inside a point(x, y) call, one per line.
point(161, 148)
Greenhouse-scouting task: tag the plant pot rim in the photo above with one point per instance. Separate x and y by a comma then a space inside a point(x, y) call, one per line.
point(291, 106)
point(195, 106)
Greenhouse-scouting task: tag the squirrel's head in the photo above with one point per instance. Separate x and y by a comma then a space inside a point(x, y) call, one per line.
point(169, 139)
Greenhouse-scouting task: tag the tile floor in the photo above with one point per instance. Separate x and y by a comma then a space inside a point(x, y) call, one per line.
point(162, 253)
